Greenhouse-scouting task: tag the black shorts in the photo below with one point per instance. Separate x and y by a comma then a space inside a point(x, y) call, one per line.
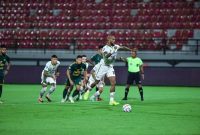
point(134, 77)
point(1, 80)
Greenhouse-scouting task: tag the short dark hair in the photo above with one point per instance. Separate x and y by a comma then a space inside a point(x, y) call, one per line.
point(54, 56)
point(79, 56)
point(100, 47)
point(3, 46)
point(84, 56)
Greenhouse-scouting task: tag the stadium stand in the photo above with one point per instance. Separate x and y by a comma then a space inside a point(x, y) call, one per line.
point(58, 24)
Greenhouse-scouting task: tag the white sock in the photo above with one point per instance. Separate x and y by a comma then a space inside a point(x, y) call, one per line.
point(43, 90)
point(112, 94)
point(96, 94)
point(51, 90)
point(81, 89)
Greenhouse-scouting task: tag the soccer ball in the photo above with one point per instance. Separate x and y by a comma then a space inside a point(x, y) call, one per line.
point(126, 108)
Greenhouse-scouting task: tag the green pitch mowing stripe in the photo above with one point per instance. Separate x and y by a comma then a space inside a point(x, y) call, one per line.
point(165, 111)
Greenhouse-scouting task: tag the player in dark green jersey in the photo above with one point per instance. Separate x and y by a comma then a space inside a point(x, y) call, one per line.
point(4, 62)
point(97, 57)
point(74, 79)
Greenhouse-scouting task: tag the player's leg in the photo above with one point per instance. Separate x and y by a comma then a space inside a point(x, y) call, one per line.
point(96, 95)
point(100, 86)
point(74, 94)
point(90, 84)
point(51, 90)
point(139, 84)
point(112, 79)
point(126, 92)
point(77, 83)
point(1, 88)
point(42, 92)
point(44, 88)
point(52, 82)
point(100, 71)
point(141, 92)
point(82, 88)
point(129, 81)
point(66, 92)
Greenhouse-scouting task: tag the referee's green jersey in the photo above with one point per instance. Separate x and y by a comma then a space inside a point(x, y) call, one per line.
point(134, 64)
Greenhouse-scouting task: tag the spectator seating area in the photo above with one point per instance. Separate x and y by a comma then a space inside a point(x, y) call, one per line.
point(61, 24)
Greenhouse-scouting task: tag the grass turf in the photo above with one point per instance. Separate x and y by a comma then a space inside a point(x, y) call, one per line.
point(166, 110)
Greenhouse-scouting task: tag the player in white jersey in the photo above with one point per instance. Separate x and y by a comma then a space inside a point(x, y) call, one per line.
point(48, 76)
point(100, 85)
point(105, 67)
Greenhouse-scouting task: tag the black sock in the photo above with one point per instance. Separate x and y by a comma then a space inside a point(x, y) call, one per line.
point(64, 93)
point(0, 90)
point(97, 88)
point(76, 92)
point(126, 92)
point(141, 93)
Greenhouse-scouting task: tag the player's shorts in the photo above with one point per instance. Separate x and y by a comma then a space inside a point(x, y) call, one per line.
point(77, 81)
point(92, 80)
point(134, 77)
point(101, 70)
point(47, 80)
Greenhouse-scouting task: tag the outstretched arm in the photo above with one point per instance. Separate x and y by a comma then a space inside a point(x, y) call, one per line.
point(125, 48)
point(90, 61)
point(123, 59)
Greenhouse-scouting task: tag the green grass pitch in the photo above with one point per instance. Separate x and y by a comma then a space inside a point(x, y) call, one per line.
point(165, 111)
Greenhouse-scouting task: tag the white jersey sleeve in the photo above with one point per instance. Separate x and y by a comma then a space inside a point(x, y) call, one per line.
point(47, 66)
point(51, 69)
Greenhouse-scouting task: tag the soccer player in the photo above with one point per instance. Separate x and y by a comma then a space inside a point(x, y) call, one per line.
point(84, 61)
point(74, 78)
point(105, 67)
point(4, 61)
point(49, 75)
point(99, 86)
point(94, 61)
point(135, 71)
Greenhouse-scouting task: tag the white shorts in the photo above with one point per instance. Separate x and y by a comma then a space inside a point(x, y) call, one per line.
point(101, 70)
point(92, 80)
point(47, 80)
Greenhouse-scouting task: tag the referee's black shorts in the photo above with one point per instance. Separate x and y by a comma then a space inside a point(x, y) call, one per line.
point(133, 77)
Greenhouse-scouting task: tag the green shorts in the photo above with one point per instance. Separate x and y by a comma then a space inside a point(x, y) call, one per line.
point(77, 81)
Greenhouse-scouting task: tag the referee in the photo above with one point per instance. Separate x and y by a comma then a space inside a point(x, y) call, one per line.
point(135, 72)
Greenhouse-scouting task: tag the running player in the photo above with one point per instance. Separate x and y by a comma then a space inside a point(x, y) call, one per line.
point(135, 70)
point(105, 67)
point(49, 75)
point(94, 61)
point(74, 78)
point(4, 61)
point(99, 86)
